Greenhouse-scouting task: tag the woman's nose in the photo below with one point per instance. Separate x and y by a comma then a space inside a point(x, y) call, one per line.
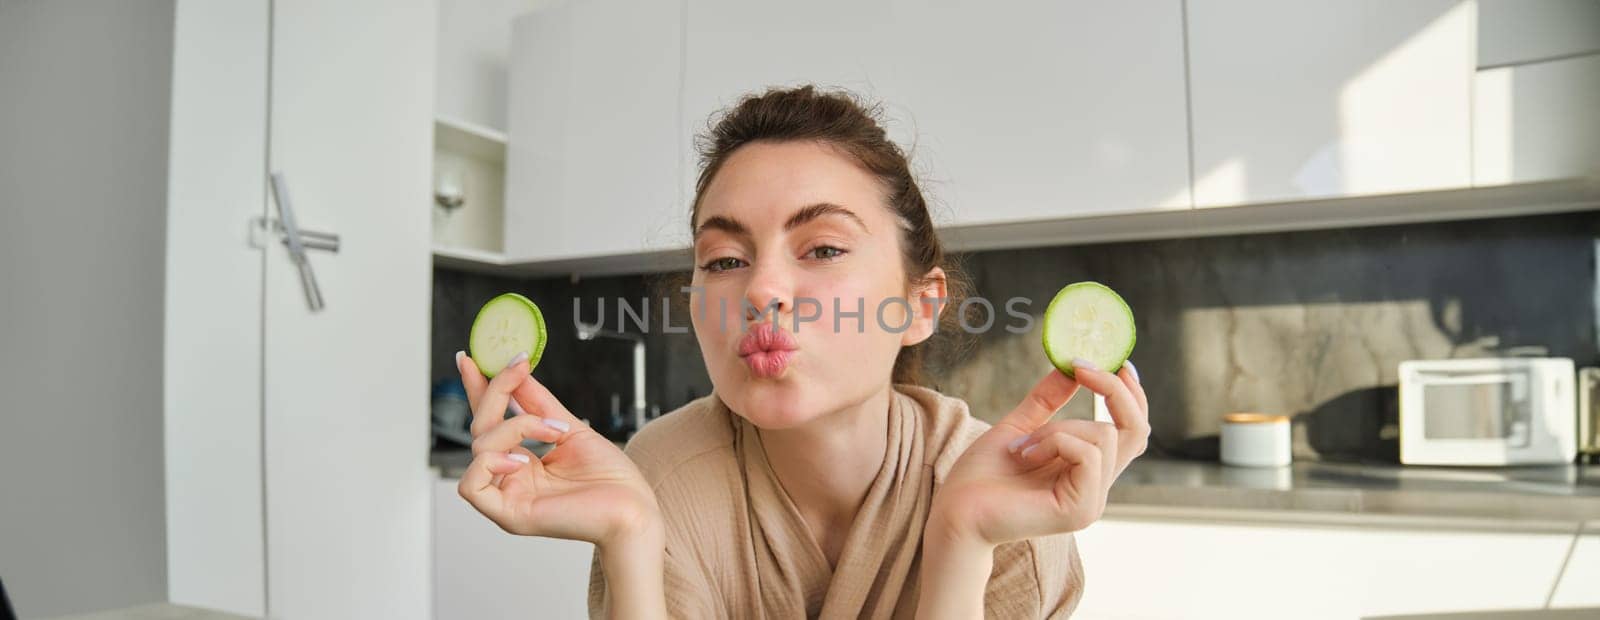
point(770, 291)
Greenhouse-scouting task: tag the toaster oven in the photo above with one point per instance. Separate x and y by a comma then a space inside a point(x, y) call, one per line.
point(1502, 411)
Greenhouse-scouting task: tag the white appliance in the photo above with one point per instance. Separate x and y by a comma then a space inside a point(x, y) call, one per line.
point(1488, 412)
point(1589, 414)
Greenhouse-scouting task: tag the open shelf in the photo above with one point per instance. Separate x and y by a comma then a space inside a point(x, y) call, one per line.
point(475, 156)
point(470, 256)
point(466, 138)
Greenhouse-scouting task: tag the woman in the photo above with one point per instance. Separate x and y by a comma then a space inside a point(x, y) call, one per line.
point(818, 479)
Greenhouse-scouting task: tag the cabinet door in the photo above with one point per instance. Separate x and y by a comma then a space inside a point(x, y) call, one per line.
point(346, 419)
point(1278, 571)
point(1537, 121)
point(212, 377)
point(1011, 111)
point(1578, 587)
point(1514, 32)
point(1295, 99)
point(593, 156)
point(482, 572)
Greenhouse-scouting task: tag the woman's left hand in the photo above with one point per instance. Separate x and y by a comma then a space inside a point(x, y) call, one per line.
point(1028, 476)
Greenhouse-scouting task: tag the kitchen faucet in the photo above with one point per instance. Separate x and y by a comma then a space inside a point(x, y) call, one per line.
point(640, 407)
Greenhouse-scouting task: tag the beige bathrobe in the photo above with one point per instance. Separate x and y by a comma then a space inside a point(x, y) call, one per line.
point(738, 548)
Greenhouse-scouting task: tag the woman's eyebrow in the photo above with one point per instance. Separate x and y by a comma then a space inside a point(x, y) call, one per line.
point(812, 212)
point(804, 215)
point(722, 223)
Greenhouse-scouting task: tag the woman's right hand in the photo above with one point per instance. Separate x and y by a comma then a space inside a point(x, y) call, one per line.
point(583, 489)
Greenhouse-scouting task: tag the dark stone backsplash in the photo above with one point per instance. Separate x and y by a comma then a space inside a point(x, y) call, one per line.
point(582, 374)
point(1311, 324)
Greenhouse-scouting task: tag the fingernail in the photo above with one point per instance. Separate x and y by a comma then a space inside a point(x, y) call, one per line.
point(1083, 363)
point(560, 425)
point(1017, 443)
point(1133, 370)
point(515, 408)
point(518, 457)
point(459, 355)
point(520, 358)
point(1028, 449)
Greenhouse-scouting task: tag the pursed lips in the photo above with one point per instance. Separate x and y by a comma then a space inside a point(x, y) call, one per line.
point(766, 349)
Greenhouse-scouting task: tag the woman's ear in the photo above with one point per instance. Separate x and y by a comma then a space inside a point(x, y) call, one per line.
point(927, 303)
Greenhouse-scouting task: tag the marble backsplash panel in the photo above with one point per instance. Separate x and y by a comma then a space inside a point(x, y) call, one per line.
point(1311, 324)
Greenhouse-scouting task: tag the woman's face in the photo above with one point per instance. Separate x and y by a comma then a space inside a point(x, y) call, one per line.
point(793, 232)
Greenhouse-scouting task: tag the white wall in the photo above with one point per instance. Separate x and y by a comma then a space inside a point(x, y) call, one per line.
point(84, 94)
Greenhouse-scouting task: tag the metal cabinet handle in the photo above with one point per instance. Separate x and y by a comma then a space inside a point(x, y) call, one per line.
point(298, 242)
point(263, 227)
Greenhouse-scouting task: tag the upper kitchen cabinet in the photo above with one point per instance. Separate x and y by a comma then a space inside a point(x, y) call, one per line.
point(1536, 91)
point(1537, 121)
point(1514, 32)
point(593, 157)
point(1011, 111)
point(474, 39)
point(1297, 99)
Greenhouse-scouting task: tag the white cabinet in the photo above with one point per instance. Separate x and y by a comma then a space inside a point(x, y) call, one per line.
point(1011, 111)
point(296, 439)
point(1306, 99)
point(217, 145)
point(345, 430)
point(1536, 90)
point(1537, 121)
point(1171, 569)
point(474, 38)
point(1514, 32)
point(1580, 582)
point(481, 572)
point(592, 166)
point(1029, 121)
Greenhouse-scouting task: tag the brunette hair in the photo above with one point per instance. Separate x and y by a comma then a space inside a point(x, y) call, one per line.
point(842, 121)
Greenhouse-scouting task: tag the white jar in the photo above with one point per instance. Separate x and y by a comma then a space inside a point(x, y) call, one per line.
point(1255, 440)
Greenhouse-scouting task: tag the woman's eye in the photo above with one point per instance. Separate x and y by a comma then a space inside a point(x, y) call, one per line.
point(722, 264)
point(827, 252)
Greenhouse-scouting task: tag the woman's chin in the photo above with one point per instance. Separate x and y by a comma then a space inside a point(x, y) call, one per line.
point(773, 404)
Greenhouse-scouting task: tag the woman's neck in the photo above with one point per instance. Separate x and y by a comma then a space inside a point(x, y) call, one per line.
point(828, 464)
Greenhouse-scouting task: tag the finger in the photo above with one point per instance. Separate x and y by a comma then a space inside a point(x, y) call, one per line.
point(537, 400)
point(477, 483)
point(1125, 410)
point(506, 436)
point(1086, 429)
point(1110, 447)
point(1084, 458)
point(1133, 442)
point(491, 407)
point(1048, 396)
point(533, 459)
point(471, 378)
point(1102, 434)
point(1130, 377)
